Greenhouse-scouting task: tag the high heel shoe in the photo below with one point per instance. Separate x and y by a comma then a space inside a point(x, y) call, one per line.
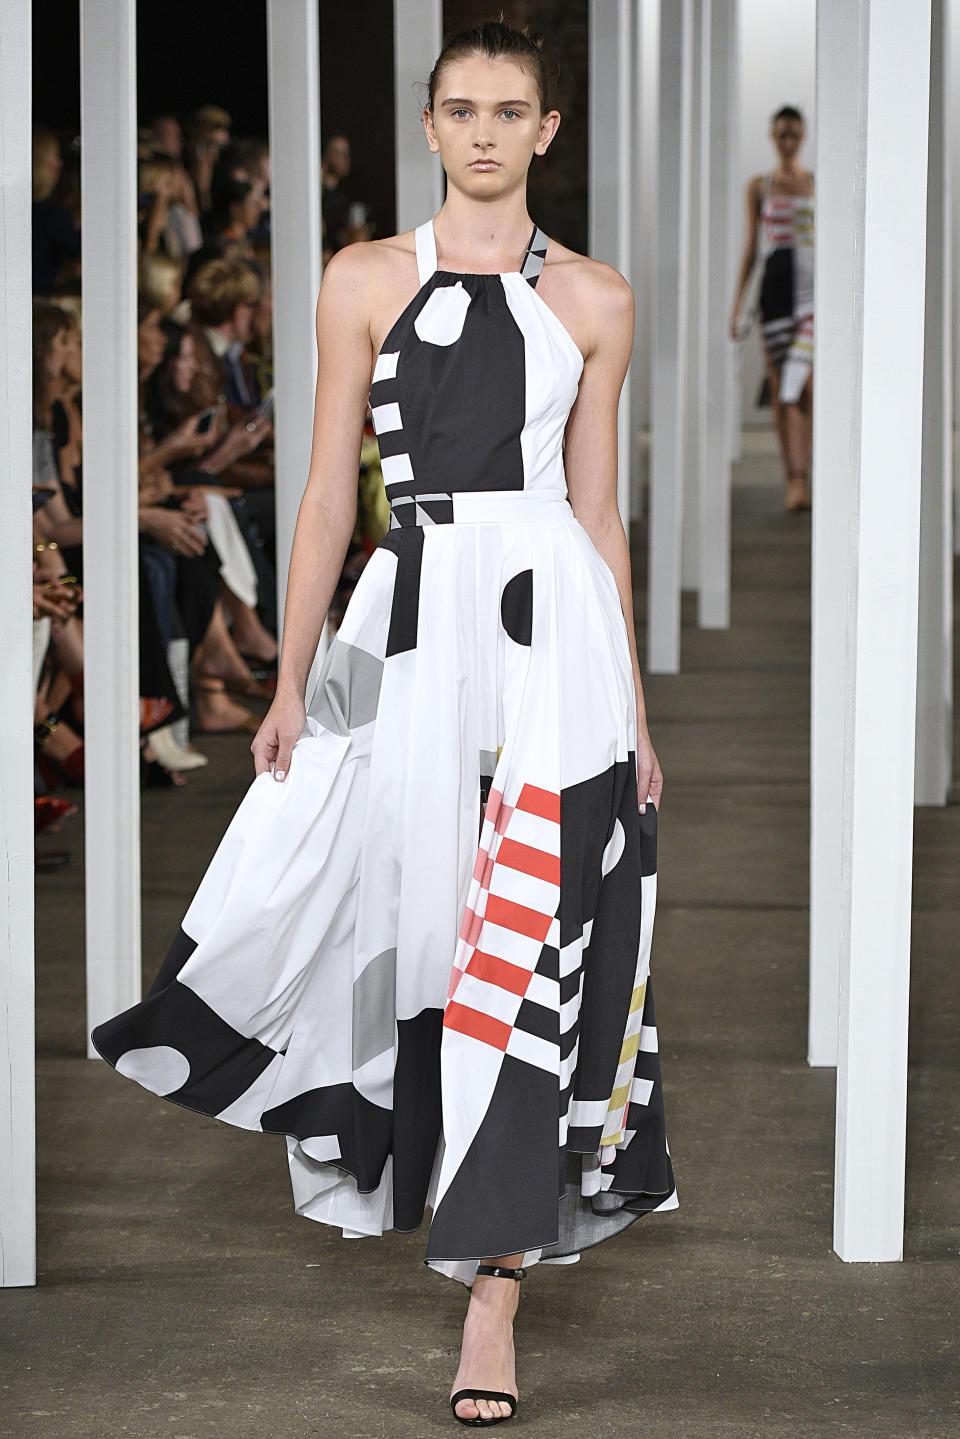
point(48, 811)
point(57, 772)
point(172, 755)
point(250, 689)
point(496, 1271)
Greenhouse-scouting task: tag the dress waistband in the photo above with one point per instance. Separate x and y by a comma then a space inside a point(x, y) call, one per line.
point(477, 507)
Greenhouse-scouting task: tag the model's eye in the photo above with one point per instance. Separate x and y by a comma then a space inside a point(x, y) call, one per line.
point(461, 111)
point(511, 112)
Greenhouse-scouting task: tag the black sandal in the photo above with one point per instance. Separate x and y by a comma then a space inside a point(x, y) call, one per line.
point(497, 1271)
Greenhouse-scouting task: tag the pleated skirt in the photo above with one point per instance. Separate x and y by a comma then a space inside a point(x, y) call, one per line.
point(424, 957)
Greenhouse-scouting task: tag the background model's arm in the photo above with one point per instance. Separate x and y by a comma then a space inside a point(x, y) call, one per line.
point(328, 509)
point(590, 461)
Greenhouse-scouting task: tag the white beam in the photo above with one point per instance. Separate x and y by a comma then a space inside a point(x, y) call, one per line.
point(293, 67)
point(934, 762)
point(722, 191)
point(646, 46)
point(890, 71)
point(835, 260)
point(108, 126)
point(610, 127)
point(17, 1127)
point(698, 250)
point(669, 346)
point(417, 31)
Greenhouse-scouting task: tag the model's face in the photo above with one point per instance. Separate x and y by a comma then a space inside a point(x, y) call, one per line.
point(184, 366)
point(49, 165)
point(253, 205)
point(73, 354)
point(338, 156)
point(56, 355)
point(242, 322)
point(168, 136)
point(151, 342)
point(787, 136)
point(486, 124)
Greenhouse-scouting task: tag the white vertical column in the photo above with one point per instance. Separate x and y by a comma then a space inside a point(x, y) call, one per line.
point(670, 335)
point(417, 35)
point(838, 134)
point(646, 47)
point(293, 67)
point(17, 1151)
point(610, 127)
point(722, 192)
point(890, 69)
point(952, 38)
point(934, 767)
point(108, 126)
point(695, 437)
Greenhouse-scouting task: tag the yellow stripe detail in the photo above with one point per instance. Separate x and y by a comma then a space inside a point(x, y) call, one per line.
point(630, 1046)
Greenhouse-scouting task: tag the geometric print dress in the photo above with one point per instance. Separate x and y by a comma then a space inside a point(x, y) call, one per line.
point(424, 958)
point(786, 288)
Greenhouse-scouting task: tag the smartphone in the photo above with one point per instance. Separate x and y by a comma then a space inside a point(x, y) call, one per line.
point(206, 420)
point(41, 495)
point(357, 214)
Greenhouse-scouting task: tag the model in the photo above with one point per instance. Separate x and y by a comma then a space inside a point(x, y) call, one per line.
point(421, 949)
point(780, 207)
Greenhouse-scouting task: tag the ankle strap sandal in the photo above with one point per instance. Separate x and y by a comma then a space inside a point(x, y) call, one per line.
point(495, 1271)
point(499, 1271)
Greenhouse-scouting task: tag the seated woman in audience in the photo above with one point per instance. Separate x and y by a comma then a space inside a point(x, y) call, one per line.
point(184, 568)
point(58, 532)
point(244, 568)
point(56, 234)
point(161, 281)
point(207, 132)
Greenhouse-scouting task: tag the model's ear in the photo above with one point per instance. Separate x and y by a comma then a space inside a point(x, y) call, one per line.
point(427, 116)
point(549, 125)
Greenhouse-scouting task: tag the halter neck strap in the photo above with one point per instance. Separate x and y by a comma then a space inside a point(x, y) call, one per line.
point(426, 242)
point(427, 263)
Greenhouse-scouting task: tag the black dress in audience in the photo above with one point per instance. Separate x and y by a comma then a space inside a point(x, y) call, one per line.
point(56, 237)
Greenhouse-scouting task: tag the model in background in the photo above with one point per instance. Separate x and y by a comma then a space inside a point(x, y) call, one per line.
point(780, 211)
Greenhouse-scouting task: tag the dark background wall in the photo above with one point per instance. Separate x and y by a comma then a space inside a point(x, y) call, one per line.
point(189, 54)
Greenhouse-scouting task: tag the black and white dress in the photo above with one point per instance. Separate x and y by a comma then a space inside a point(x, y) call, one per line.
point(424, 957)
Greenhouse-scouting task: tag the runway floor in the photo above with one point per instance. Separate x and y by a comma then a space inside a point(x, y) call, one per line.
point(179, 1297)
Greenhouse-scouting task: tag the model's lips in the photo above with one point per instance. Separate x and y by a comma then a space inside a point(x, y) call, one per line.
point(485, 165)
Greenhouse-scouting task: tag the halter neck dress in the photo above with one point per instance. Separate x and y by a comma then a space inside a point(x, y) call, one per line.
point(786, 287)
point(424, 957)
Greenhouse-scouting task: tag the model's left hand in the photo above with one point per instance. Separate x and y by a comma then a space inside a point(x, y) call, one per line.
point(649, 774)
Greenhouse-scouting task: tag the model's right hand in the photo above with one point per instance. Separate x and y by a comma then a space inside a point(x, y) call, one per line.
point(274, 741)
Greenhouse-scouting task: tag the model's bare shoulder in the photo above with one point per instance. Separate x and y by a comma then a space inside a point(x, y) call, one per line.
point(360, 283)
point(591, 297)
point(367, 262)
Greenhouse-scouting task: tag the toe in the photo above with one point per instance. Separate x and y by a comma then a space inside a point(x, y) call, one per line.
point(467, 1409)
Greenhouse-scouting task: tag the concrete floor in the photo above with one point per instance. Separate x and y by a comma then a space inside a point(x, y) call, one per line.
point(179, 1297)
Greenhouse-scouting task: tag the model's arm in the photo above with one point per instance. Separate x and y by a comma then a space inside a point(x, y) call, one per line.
point(590, 461)
point(328, 509)
point(749, 257)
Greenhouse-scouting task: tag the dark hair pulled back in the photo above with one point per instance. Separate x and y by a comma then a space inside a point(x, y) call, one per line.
point(788, 112)
point(496, 39)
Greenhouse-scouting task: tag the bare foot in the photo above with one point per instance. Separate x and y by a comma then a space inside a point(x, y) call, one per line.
point(217, 714)
point(254, 641)
point(487, 1355)
point(798, 493)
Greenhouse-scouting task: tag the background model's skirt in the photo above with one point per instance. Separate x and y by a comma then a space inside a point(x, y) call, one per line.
point(424, 957)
